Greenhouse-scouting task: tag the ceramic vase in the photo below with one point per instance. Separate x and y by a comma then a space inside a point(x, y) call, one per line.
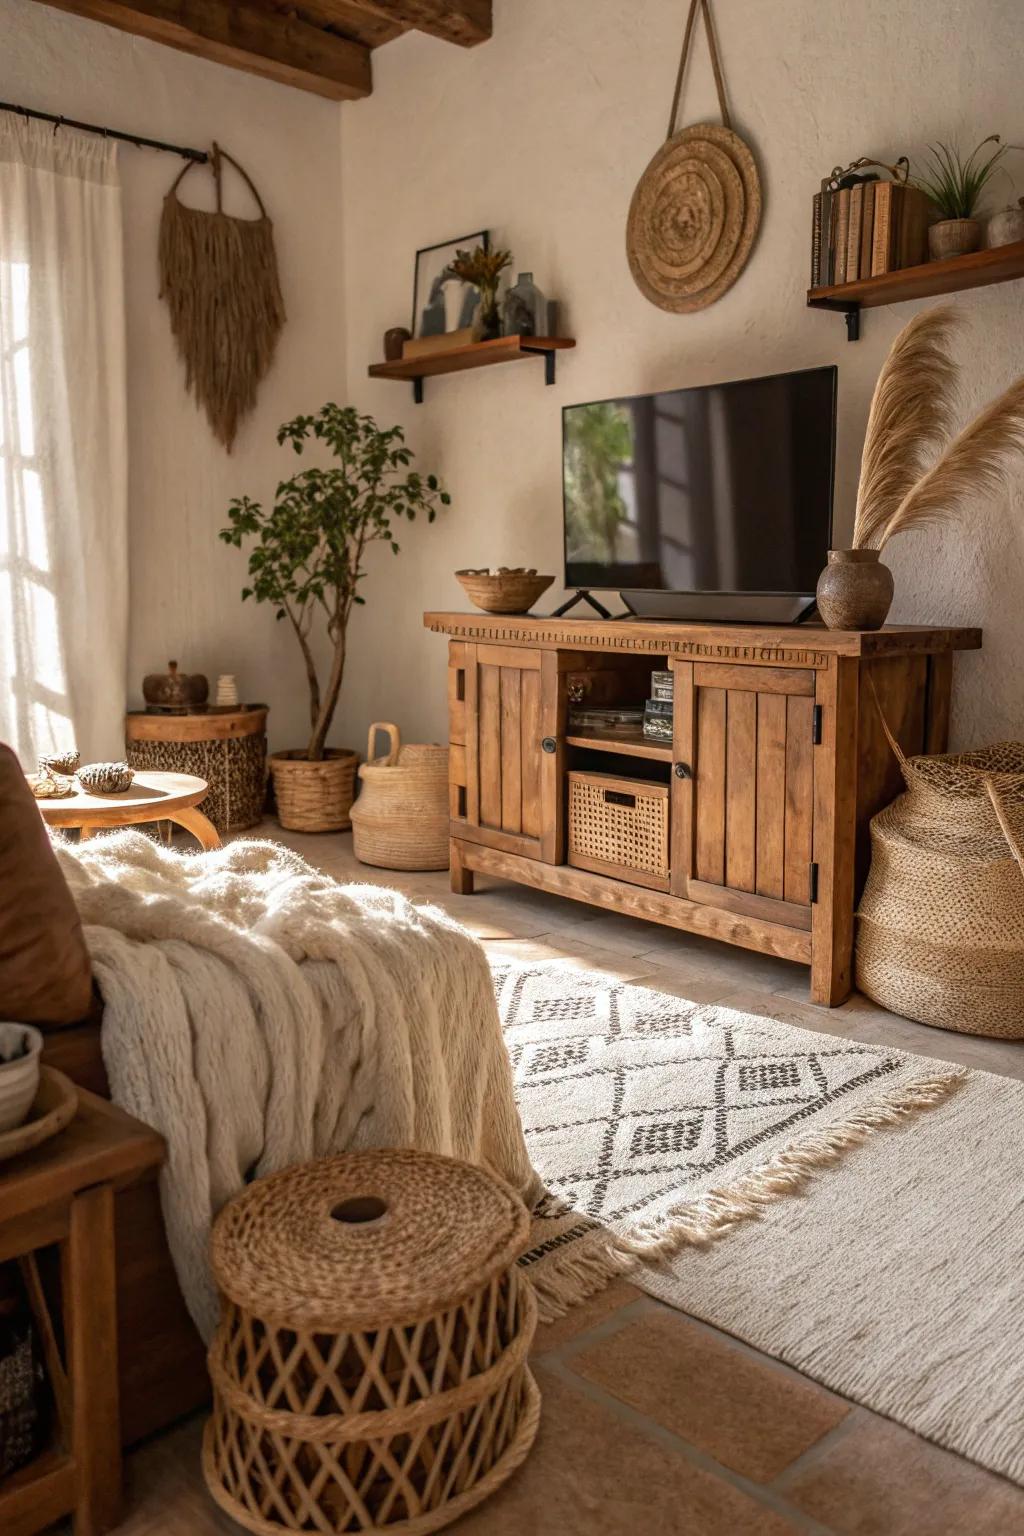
point(1005, 227)
point(953, 237)
point(855, 590)
point(20, 1049)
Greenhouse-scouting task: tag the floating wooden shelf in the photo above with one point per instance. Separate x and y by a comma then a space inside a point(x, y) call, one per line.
point(479, 354)
point(628, 743)
point(977, 270)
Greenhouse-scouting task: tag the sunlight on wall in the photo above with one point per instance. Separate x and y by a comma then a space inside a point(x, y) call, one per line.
point(34, 710)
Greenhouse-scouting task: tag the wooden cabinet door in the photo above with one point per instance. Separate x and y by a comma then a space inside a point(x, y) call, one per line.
point(508, 751)
point(743, 789)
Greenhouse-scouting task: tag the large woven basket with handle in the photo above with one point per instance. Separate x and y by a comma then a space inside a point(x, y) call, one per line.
point(940, 932)
point(401, 819)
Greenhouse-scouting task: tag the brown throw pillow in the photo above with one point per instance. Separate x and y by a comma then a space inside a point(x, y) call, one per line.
point(45, 975)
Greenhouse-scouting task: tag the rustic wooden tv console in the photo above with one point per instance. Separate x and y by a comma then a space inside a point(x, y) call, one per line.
point(777, 765)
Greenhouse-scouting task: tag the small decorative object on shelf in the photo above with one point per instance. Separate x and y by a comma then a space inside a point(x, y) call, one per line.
point(335, 514)
point(106, 778)
point(1005, 227)
point(525, 310)
point(505, 590)
point(483, 268)
point(394, 341)
point(600, 719)
point(402, 819)
point(902, 484)
point(863, 226)
point(174, 692)
point(394, 1391)
point(954, 187)
point(441, 300)
point(227, 691)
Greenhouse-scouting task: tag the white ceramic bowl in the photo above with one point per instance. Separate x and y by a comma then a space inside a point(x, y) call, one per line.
point(19, 1079)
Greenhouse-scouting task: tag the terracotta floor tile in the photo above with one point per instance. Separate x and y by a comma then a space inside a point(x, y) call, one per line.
point(880, 1480)
point(590, 1312)
point(749, 1415)
point(589, 1474)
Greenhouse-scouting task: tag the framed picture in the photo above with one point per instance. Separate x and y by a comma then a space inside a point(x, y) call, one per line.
point(441, 303)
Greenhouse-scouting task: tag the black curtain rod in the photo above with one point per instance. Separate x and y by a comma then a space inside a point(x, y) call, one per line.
point(107, 133)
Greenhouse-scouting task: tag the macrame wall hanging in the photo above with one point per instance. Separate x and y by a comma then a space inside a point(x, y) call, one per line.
point(219, 277)
point(697, 207)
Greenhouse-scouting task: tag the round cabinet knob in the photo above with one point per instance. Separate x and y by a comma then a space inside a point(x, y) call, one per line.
point(683, 771)
point(549, 744)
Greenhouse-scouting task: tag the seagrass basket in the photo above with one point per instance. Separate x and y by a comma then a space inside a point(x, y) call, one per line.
point(619, 827)
point(940, 928)
point(314, 797)
point(401, 819)
point(369, 1369)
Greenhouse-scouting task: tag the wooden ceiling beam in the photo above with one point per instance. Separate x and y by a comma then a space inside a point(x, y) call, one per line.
point(466, 22)
point(247, 37)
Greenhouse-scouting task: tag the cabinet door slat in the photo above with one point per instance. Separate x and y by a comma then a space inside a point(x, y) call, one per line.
point(771, 795)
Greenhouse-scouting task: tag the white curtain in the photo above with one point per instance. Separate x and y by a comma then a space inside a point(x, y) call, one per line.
point(63, 445)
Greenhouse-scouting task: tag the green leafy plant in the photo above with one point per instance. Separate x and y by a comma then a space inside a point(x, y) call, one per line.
point(955, 185)
point(311, 545)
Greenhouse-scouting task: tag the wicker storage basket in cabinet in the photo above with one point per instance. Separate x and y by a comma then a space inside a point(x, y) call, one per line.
point(619, 827)
point(370, 1368)
point(228, 750)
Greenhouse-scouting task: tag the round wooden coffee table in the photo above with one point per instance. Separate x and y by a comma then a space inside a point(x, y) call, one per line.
point(151, 797)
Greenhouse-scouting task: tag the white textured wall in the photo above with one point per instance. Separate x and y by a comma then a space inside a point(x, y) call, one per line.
point(540, 135)
point(184, 584)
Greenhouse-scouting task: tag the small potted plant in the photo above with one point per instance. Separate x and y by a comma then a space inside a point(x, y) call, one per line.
point(483, 270)
point(955, 186)
point(307, 562)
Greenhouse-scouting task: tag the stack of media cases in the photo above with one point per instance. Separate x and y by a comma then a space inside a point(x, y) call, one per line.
point(658, 709)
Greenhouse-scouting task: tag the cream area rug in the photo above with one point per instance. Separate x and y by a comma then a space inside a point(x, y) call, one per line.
point(660, 1126)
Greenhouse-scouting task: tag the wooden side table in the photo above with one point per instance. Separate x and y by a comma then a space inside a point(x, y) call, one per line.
point(151, 797)
point(63, 1192)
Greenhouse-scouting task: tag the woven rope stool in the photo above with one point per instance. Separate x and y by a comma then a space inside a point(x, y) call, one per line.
point(369, 1370)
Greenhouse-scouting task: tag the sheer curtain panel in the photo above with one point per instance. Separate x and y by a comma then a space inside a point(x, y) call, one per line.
point(63, 448)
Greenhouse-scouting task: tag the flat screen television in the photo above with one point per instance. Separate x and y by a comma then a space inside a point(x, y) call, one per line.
point(720, 494)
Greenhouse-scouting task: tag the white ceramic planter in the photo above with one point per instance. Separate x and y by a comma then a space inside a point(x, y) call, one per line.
point(19, 1079)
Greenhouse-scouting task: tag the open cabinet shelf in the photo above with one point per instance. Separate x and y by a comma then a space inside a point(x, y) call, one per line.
point(626, 743)
point(479, 354)
point(956, 273)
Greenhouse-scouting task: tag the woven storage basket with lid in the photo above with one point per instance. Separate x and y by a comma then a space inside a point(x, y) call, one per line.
point(401, 819)
point(940, 929)
point(369, 1369)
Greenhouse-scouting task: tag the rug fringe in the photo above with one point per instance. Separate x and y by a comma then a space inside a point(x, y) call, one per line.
point(604, 1256)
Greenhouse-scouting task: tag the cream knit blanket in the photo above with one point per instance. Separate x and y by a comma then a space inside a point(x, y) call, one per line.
point(258, 1014)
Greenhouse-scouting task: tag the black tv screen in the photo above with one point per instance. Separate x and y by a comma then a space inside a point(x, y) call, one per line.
point(726, 488)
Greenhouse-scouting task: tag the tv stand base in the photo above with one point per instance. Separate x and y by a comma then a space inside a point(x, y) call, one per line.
point(582, 596)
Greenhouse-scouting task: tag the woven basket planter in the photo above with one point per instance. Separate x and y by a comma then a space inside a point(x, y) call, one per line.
point(401, 819)
point(369, 1370)
point(940, 929)
point(314, 797)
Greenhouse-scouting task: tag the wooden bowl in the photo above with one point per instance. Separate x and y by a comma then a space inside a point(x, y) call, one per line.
point(55, 1106)
point(508, 592)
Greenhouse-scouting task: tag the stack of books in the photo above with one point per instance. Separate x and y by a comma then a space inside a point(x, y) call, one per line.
point(863, 227)
point(658, 709)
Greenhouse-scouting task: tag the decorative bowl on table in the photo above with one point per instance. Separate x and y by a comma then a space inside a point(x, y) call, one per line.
point(106, 778)
point(504, 590)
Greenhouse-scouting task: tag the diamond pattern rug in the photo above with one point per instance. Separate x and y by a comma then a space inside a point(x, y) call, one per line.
point(655, 1122)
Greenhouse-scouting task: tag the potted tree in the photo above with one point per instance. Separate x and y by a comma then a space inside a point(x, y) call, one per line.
point(307, 562)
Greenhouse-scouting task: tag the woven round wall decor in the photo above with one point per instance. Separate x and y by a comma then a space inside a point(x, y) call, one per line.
point(697, 207)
